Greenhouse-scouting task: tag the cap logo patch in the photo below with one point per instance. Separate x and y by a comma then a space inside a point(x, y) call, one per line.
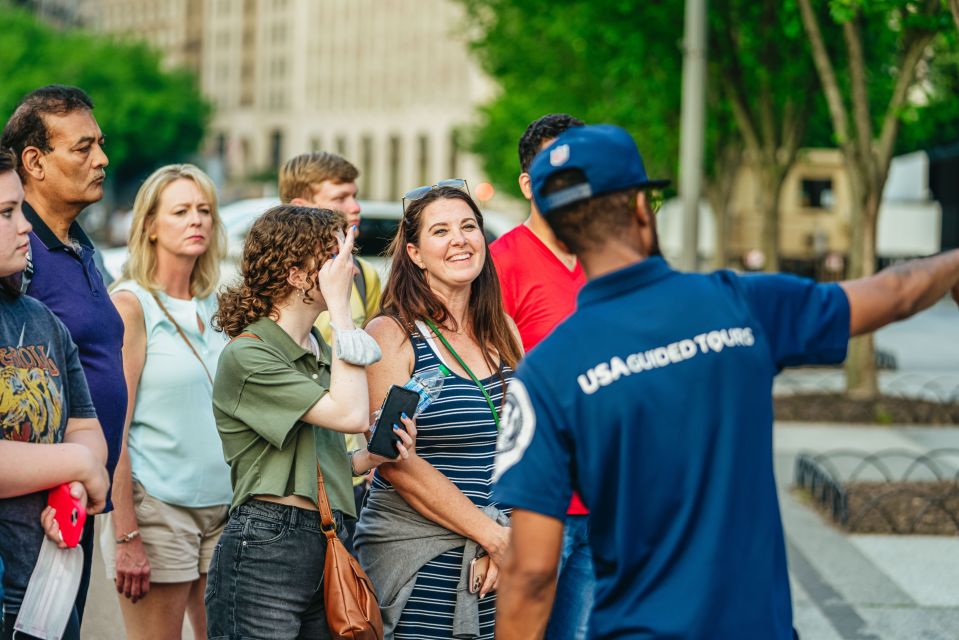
point(559, 156)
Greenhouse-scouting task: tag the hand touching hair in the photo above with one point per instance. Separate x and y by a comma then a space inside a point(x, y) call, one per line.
point(282, 238)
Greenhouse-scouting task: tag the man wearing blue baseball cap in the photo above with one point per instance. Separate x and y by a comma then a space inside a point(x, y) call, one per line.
point(654, 402)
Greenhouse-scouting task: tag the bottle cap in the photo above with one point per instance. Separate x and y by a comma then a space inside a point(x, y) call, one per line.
point(444, 370)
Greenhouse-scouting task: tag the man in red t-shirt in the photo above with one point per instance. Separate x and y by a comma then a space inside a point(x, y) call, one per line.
point(540, 282)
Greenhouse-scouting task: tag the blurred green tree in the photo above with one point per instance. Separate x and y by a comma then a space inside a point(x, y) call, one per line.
point(149, 116)
point(871, 91)
point(601, 61)
point(760, 62)
point(619, 61)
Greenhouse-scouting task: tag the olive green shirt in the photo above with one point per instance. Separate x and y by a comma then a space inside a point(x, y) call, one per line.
point(262, 389)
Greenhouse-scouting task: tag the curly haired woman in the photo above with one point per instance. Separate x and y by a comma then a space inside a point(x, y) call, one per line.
point(283, 400)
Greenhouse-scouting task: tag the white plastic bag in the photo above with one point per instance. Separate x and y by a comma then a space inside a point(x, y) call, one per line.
point(52, 590)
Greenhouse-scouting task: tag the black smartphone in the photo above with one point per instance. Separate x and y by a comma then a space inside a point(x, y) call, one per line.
point(398, 401)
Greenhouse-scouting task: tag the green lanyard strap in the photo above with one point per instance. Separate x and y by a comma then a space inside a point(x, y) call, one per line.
point(449, 348)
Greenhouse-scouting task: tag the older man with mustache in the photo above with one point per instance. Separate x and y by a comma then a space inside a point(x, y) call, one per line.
point(59, 147)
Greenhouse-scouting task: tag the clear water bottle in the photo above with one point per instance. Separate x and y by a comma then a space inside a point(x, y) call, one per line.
point(428, 384)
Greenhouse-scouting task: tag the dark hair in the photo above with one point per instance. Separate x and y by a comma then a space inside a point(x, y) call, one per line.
point(408, 296)
point(26, 127)
point(589, 224)
point(8, 160)
point(541, 130)
point(9, 285)
point(284, 237)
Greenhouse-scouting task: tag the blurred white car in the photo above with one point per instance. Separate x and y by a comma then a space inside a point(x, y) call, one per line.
point(378, 225)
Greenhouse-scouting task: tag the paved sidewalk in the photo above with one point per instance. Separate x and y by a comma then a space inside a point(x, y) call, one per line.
point(865, 587)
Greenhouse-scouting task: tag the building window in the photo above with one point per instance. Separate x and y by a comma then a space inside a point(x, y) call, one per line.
point(221, 145)
point(276, 148)
point(816, 193)
point(424, 159)
point(394, 191)
point(341, 145)
point(315, 144)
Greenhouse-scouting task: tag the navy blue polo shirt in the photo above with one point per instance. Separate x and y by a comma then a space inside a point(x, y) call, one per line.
point(654, 402)
point(66, 279)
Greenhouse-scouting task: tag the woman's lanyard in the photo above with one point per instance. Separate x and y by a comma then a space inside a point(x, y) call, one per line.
point(469, 372)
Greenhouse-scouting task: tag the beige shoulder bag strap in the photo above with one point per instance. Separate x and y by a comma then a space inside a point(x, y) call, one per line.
point(182, 335)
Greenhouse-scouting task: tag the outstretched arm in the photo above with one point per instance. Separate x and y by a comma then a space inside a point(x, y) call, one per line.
point(528, 581)
point(900, 291)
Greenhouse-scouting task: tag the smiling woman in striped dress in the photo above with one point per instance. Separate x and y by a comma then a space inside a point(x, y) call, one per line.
point(442, 304)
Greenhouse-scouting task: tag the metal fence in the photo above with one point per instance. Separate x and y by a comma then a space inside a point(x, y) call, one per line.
point(932, 386)
point(894, 490)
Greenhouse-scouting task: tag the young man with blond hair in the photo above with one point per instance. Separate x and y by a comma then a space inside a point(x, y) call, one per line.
point(328, 181)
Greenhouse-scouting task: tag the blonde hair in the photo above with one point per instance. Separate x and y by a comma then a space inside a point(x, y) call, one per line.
point(142, 264)
point(299, 175)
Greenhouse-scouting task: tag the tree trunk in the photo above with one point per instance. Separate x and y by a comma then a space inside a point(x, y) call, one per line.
point(720, 206)
point(719, 192)
point(861, 376)
point(770, 186)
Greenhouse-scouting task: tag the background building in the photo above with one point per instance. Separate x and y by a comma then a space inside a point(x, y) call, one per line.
point(387, 87)
point(390, 88)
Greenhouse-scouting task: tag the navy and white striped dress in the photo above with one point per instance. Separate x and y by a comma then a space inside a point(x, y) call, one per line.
point(457, 435)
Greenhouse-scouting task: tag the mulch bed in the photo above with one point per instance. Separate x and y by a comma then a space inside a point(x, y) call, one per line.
point(920, 508)
point(835, 407)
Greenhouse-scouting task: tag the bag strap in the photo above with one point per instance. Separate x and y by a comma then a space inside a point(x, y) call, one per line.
point(469, 372)
point(182, 335)
point(323, 502)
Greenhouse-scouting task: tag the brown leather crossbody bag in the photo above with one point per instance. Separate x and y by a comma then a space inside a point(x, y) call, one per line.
point(351, 608)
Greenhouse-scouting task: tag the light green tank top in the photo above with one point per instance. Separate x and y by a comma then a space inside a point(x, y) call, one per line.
point(175, 450)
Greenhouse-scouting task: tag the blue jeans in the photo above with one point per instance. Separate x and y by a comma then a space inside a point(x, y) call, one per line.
point(266, 575)
point(569, 619)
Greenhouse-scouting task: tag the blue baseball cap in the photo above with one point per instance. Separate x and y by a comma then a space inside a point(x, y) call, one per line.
point(605, 153)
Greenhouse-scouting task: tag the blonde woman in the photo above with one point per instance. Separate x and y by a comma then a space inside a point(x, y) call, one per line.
point(171, 489)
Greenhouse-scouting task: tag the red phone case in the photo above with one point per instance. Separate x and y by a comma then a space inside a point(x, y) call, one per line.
point(70, 514)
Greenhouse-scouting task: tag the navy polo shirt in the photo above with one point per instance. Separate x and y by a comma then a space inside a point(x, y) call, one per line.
point(66, 279)
point(654, 402)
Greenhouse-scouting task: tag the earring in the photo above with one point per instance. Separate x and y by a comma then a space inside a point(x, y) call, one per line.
point(153, 238)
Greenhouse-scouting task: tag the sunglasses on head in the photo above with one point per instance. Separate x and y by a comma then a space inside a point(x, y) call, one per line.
point(420, 192)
